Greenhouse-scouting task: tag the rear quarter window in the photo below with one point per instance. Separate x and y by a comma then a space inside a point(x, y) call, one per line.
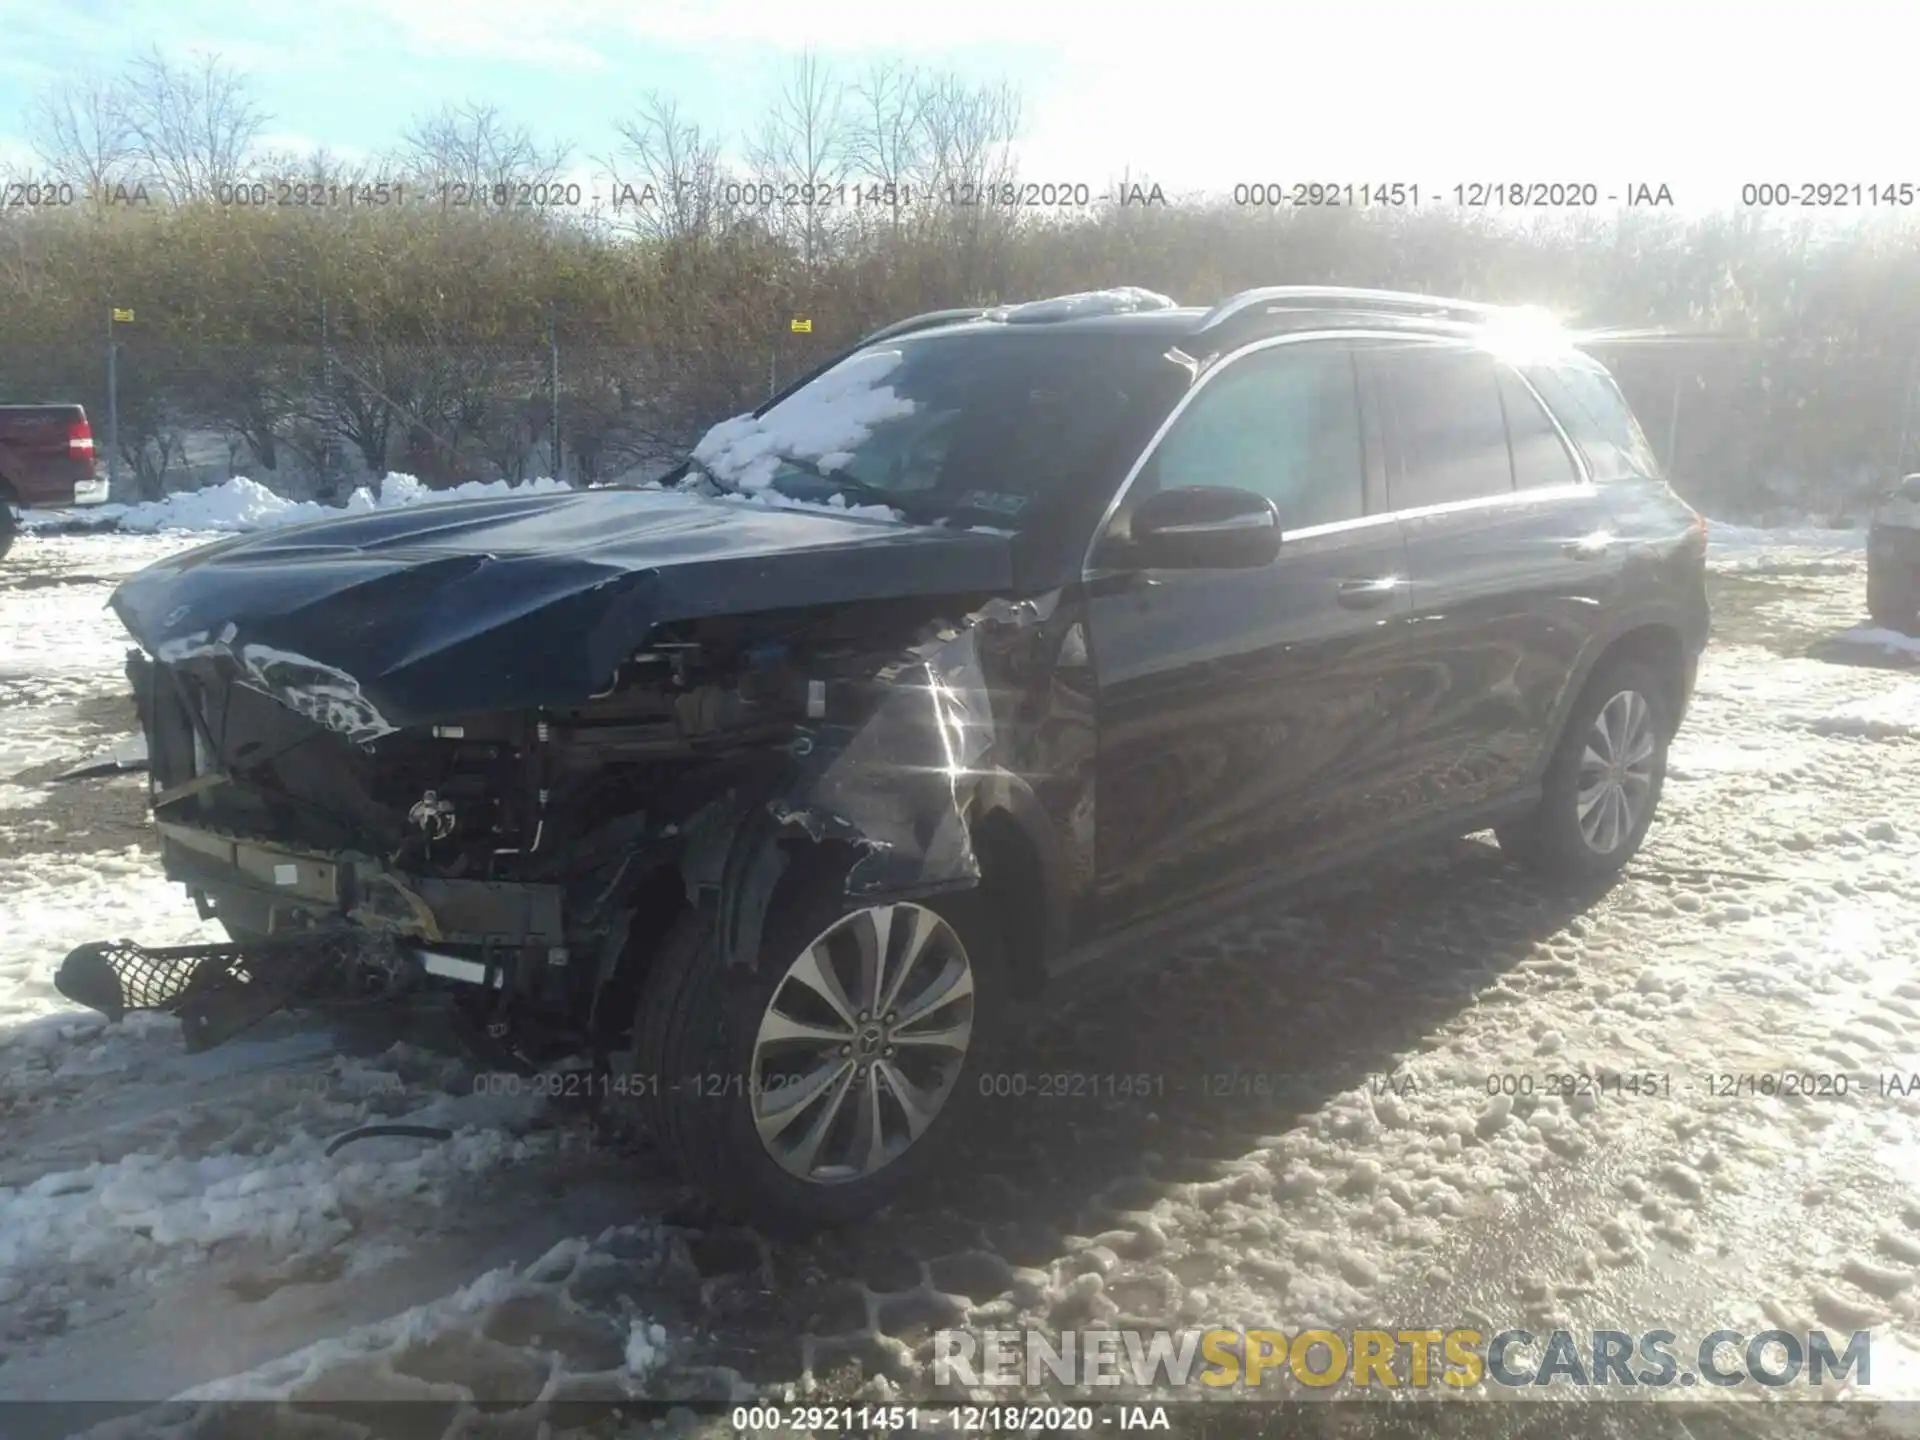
point(1596, 417)
point(1540, 458)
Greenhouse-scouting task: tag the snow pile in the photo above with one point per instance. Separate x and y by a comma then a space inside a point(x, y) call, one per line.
point(242, 504)
point(646, 1347)
point(130, 1211)
point(1887, 716)
point(1887, 642)
point(1725, 537)
point(1121, 300)
point(818, 425)
point(1807, 548)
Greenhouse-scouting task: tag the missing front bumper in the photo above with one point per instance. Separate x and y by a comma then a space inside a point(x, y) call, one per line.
point(270, 887)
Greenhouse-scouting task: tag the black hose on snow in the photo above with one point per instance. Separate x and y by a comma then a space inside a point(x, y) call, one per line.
point(370, 1132)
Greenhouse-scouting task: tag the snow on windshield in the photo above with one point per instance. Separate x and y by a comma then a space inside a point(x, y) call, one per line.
point(819, 424)
point(1121, 300)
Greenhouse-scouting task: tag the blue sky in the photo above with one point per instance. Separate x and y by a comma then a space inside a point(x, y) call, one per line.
point(353, 74)
point(1203, 93)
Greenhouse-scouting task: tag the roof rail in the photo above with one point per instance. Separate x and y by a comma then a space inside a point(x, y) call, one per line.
point(1338, 297)
point(925, 322)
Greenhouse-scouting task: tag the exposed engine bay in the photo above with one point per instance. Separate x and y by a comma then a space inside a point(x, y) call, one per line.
point(498, 754)
point(527, 857)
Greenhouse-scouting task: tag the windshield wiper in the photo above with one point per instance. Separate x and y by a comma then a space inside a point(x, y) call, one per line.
point(842, 481)
point(852, 485)
point(873, 494)
point(694, 467)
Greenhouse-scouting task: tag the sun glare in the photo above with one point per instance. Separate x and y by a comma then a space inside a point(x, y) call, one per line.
point(1526, 333)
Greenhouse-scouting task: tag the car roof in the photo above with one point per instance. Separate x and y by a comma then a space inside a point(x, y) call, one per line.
point(1182, 320)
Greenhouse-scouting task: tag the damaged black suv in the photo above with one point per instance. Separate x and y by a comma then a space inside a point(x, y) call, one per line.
point(1007, 639)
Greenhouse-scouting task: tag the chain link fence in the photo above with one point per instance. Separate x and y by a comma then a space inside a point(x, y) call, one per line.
point(315, 420)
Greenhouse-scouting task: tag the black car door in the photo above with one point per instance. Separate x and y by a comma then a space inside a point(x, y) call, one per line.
point(1243, 714)
point(1512, 565)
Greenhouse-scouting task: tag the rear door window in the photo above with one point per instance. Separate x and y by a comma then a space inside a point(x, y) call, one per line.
point(1450, 429)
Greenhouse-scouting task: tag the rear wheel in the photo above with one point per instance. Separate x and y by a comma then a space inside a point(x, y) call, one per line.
point(808, 1088)
point(1603, 782)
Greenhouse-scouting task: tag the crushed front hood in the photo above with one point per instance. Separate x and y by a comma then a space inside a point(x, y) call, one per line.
point(369, 623)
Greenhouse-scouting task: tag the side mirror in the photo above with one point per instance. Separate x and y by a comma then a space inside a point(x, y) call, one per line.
point(1204, 527)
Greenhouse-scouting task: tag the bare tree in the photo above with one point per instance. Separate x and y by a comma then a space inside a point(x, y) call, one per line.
point(253, 394)
point(357, 409)
point(887, 136)
point(801, 154)
point(80, 133)
point(319, 167)
point(674, 166)
point(473, 145)
point(191, 127)
point(971, 131)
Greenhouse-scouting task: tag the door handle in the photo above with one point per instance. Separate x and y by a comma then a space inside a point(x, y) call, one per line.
point(1587, 547)
point(1366, 594)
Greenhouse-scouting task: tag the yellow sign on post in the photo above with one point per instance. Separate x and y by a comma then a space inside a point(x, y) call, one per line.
point(122, 317)
point(801, 325)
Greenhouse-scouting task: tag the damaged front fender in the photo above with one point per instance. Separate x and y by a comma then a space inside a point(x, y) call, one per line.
point(898, 787)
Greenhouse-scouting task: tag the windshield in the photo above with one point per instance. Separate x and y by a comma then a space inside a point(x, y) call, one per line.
point(988, 429)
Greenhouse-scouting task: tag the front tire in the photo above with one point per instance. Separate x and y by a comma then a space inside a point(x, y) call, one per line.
point(1603, 783)
point(808, 1088)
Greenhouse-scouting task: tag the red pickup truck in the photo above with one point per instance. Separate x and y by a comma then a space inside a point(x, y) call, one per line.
point(46, 462)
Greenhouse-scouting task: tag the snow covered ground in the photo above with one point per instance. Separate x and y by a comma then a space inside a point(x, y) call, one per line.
point(1327, 1143)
